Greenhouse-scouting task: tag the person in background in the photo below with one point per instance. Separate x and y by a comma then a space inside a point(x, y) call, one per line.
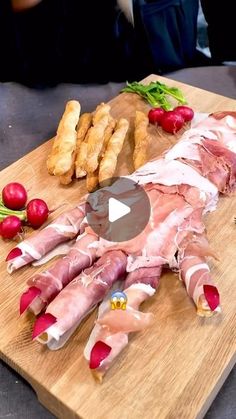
point(45, 42)
point(220, 18)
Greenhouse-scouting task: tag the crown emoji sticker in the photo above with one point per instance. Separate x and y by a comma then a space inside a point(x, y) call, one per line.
point(118, 300)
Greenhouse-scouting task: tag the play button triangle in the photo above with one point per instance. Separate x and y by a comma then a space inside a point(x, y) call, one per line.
point(118, 212)
point(116, 209)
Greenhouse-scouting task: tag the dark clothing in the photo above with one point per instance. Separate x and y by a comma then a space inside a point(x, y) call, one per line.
point(220, 17)
point(62, 40)
point(92, 41)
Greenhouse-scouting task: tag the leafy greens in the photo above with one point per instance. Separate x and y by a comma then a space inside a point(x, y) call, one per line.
point(156, 93)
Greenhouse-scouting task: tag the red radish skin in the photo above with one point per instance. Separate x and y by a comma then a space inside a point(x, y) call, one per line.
point(37, 212)
point(27, 298)
point(172, 122)
point(14, 196)
point(155, 115)
point(10, 227)
point(186, 112)
point(212, 296)
point(14, 253)
point(42, 324)
point(99, 352)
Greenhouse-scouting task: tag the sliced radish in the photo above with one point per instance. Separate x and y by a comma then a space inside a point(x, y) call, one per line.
point(14, 253)
point(212, 296)
point(99, 352)
point(27, 298)
point(42, 324)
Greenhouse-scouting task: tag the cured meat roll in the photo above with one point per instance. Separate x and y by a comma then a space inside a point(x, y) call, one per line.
point(66, 311)
point(45, 286)
point(63, 228)
point(111, 331)
point(195, 273)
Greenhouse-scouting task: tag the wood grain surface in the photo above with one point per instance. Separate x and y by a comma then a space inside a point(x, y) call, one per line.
point(172, 370)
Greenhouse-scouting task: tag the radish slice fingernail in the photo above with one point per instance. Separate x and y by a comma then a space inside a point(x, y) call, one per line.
point(212, 296)
point(99, 352)
point(42, 324)
point(27, 298)
point(14, 253)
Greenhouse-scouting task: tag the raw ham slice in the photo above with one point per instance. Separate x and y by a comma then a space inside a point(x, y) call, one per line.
point(148, 276)
point(225, 159)
point(210, 147)
point(113, 326)
point(175, 172)
point(172, 215)
point(79, 297)
point(50, 282)
point(222, 125)
point(64, 228)
point(195, 273)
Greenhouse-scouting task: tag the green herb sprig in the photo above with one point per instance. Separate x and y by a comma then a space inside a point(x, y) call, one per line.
point(156, 93)
point(5, 212)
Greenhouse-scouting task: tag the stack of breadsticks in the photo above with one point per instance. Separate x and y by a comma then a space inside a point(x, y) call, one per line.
point(87, 145)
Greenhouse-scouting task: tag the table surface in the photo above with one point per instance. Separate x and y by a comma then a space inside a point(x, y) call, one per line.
point(29, 117)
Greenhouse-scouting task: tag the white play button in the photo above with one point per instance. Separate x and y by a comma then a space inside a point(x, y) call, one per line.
point(118, 212)
point(116, 209)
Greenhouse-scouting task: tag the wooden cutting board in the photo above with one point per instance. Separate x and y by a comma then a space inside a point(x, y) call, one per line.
point(173, 369)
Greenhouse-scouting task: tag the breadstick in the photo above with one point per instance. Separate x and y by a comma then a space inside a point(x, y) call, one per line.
point(81, 157)
point(108, 163)
point(92, 178)
point(52, 158)
point(141, 139)
point(66, 179)
point(61, 157)
point(101, 110)
point(107, 135)
point(92, 181)
point(84, 124)
point(71, 108)
point(96, 137)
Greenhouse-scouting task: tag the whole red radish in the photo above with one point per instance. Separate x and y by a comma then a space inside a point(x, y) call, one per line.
point(10, 227)
point(186, 112)
point(155, 115)
point(37, 212)
point(172, 122)
point(14, 196)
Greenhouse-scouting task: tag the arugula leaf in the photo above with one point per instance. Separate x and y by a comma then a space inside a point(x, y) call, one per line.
point(156, 93)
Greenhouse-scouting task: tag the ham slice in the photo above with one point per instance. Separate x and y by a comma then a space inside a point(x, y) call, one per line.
point(195, 273)
point(79, 297)
point(175, 172)
point(210, 147)
point(113, 326)
point(224, 175)
point(64, 228)
point(221, 125)
point(174, 211)
point(50, 282)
